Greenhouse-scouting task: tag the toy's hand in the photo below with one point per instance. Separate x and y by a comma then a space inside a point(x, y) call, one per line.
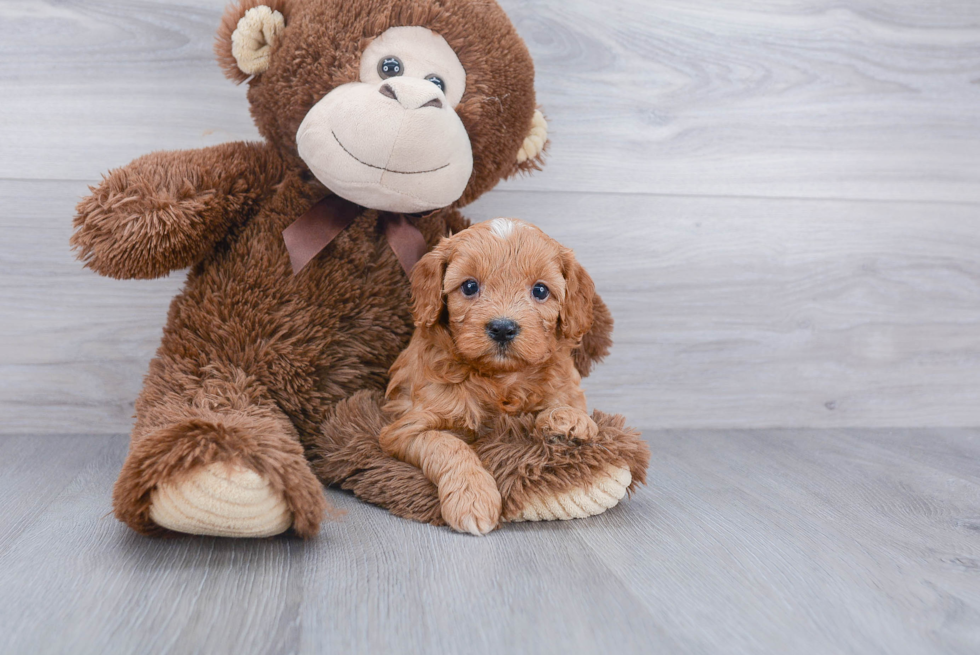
point(166, 210)
point(567, 422)
point(470, 500)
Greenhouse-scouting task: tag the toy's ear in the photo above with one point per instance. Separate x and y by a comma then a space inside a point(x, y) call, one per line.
point(249, 31)
point(576, 314)
point(427, 276)
point(531, 155)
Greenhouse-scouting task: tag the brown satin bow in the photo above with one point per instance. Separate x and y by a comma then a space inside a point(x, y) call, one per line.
point(314, 230)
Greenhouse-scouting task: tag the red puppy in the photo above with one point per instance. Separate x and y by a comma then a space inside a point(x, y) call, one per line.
point(498, 309)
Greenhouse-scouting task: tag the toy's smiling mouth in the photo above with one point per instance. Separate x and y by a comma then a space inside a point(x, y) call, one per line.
point(382, 168)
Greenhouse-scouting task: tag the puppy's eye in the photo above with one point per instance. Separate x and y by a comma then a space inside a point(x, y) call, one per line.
point(540, 291)
point(435, 79)
point(469, 288)
point(390, 67)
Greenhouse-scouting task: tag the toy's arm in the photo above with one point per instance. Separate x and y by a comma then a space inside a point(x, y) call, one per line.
point(166, 210)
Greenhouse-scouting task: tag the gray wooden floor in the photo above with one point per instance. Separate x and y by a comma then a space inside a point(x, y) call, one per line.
point(779, 200)
point(748, 541)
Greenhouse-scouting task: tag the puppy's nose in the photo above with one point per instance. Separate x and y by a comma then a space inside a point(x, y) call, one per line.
point(503, 330)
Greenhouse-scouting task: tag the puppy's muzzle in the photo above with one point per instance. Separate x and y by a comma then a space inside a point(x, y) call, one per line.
point(503, 330)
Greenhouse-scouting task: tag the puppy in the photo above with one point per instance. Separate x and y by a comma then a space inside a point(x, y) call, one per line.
point(498, 309)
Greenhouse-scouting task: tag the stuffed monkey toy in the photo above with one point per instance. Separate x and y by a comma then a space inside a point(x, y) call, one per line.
point(380, 119)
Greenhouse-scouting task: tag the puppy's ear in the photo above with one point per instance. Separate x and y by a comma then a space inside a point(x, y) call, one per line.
point(576, 314)
point(427, 296)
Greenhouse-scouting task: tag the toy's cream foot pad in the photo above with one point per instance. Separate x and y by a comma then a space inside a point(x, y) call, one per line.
point(605, 492)
point(221, 500)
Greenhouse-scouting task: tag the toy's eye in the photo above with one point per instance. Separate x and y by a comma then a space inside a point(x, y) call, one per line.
point(390, 67)
point(540, 291)
point(470, 287)
point(435, 79)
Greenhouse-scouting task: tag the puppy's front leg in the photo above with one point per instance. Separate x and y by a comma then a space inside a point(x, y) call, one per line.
point(468, 493)
point(567, 421)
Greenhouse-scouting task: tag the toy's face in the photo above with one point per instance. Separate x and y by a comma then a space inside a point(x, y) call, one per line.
point(397, 105)
point(392, 140)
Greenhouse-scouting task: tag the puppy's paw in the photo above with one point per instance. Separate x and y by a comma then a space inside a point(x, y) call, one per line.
point(567, 422)
point(470, 501)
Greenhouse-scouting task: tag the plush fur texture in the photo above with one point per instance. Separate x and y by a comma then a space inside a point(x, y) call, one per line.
point(254, 359)
point(168, 210)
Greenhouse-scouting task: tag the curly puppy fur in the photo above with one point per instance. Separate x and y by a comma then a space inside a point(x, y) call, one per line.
point(498, 310)
point(253, 358)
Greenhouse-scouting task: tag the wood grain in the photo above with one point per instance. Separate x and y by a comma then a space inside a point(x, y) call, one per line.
point(808, 98)
point(805, 98)
point(33, 472)
point(733, 312)
point(683, 134)
point(743, 312)
point(748, 541)
point(781, 204)
point(841, 534)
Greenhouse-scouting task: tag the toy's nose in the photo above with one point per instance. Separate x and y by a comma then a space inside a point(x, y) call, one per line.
point(412, 93)
point(503, 330)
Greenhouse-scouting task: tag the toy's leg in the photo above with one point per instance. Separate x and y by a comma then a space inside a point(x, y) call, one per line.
point(215, 456)
point(347, 454)
point(539, 478)
point(543, 478)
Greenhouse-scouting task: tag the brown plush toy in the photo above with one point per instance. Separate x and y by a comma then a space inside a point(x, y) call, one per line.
point(380, 119)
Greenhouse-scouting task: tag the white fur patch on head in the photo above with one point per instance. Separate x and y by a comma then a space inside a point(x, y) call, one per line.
point(504, 227)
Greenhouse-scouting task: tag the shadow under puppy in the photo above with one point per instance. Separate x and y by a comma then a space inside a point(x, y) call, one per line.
point(498, 308)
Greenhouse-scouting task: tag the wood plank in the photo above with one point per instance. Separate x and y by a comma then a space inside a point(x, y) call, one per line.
point(75, 346)
point(81, 581)
point(25, 492)
point(730, 312)
point(746, 541)
point(766, 313)
point(952, 452)
point(395, 586)
point(805, 98)
point(90, 86)
point(802, 541)
point(788, 99)
point(370, 583)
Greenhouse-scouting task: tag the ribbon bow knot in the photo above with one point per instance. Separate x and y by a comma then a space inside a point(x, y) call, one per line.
point(314, 230)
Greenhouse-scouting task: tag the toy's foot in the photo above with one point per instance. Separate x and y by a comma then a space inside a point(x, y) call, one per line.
point(542, 478)
point(235, 474)
point(605, 492)
point(221, 500)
